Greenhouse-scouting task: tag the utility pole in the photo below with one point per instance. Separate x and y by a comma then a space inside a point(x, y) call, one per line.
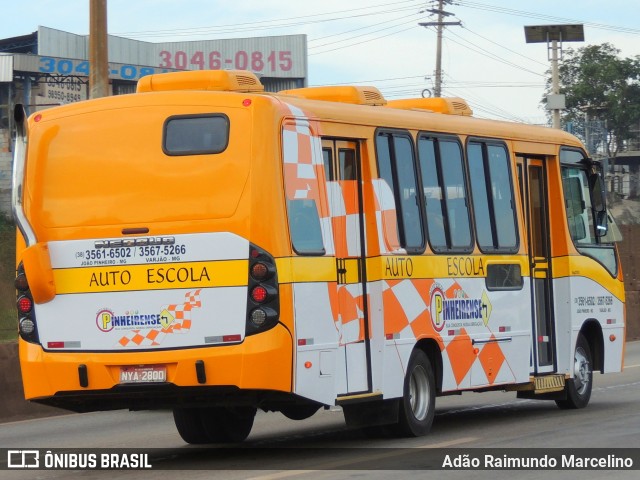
point(440, 24)
point(98, 50)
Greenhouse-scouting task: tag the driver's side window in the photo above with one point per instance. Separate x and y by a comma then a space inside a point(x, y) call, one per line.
point(578, 204)
point(586, 208)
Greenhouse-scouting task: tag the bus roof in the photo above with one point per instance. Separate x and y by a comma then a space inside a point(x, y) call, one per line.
point(354, 105)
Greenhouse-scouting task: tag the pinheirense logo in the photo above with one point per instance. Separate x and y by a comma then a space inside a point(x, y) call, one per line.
point(437, 308)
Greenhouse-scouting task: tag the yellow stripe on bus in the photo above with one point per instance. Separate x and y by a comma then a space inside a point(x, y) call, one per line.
point(583, 266)
point(161, 276)
point(306, 269)
point(438, 266)
point(391, 267)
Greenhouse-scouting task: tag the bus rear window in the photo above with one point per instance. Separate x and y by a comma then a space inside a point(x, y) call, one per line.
point(195, 134)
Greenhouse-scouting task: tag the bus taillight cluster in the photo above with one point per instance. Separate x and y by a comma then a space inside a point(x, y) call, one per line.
point(262, 302)
point(24, 305)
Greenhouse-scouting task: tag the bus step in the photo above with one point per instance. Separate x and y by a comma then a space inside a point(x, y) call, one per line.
point(549, 383)
point(357, 398)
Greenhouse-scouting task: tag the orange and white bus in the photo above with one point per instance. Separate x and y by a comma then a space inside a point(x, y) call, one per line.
point(207, 247)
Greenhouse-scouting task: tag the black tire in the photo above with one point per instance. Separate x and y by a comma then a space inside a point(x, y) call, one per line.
point(300, 412)
point(578, 388)
point(190, 426)
point(417, 406)
point(227, 425)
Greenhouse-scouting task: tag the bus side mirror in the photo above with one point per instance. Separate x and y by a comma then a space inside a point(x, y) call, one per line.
point(599, 204)
point(602, 225)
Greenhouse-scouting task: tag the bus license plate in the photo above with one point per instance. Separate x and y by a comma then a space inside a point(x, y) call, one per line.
point(143, 374)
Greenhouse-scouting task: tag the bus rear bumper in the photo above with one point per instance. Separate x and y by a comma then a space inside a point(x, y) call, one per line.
point(261, 362)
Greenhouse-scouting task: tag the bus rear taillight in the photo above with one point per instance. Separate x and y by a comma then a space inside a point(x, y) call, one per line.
point(24, 304)
point(21, 282)
point(262, 271)
point(263, 293)
point(259, 294)
point(27, 326)
point(263, 316)
point(263, 304)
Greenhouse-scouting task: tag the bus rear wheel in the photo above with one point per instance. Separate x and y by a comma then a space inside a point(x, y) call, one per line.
point(300, 412)
point(228, 425)
point(190, 426)
point(214, 424)
point(417, 406)
point(578, 388)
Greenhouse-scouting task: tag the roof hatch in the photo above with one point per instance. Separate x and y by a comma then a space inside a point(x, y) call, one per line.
point(449, 106)
point(210, 80)
point(343, 94)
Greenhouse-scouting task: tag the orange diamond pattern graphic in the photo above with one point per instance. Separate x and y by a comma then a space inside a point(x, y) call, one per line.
point(491, 358)
point(461, 355)
point(180, 322)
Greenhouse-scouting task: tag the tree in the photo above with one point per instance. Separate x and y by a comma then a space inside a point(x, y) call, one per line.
point(599, 85)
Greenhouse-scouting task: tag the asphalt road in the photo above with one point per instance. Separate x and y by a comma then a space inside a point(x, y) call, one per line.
point(326, 448)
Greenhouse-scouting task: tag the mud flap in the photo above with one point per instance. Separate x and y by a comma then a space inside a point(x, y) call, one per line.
point(368, 414)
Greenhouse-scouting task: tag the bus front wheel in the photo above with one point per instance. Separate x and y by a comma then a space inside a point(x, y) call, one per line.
point(417, 406)
point(578, 388)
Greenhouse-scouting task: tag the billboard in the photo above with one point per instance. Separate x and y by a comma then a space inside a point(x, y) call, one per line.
point(277, 56)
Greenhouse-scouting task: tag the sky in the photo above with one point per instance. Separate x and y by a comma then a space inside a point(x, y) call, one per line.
point(485, 60)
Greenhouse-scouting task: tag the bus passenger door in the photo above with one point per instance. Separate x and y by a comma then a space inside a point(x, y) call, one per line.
point(543, 358)
point(343, 169)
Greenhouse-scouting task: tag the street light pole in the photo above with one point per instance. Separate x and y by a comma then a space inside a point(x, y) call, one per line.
point(553, 36)
point(555, 82)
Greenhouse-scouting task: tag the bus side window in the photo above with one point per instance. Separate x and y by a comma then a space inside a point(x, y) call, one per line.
point(407, 181)
point(578, 205)
point(347, 164)
point(445, 193)
point(455, 194)
point(396, 166)
point(575, 206)
point(304, 224)
point(433, 195)
point(585, 208)
point(327, 159)
point(490, 177)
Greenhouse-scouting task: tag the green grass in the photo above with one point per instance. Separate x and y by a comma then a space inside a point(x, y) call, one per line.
point(8, 316)
point(8, 325)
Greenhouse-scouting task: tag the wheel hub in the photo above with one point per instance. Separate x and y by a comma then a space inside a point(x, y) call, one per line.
point(582, 371)
point(419, 393)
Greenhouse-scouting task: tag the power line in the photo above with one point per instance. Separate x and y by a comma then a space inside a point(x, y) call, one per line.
point(479, 103)
point(386, 22)
point(369, 40)
point(521, 13)
point(276, 23)
point(373, 81)
point(502, 46)
point(488, 54)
